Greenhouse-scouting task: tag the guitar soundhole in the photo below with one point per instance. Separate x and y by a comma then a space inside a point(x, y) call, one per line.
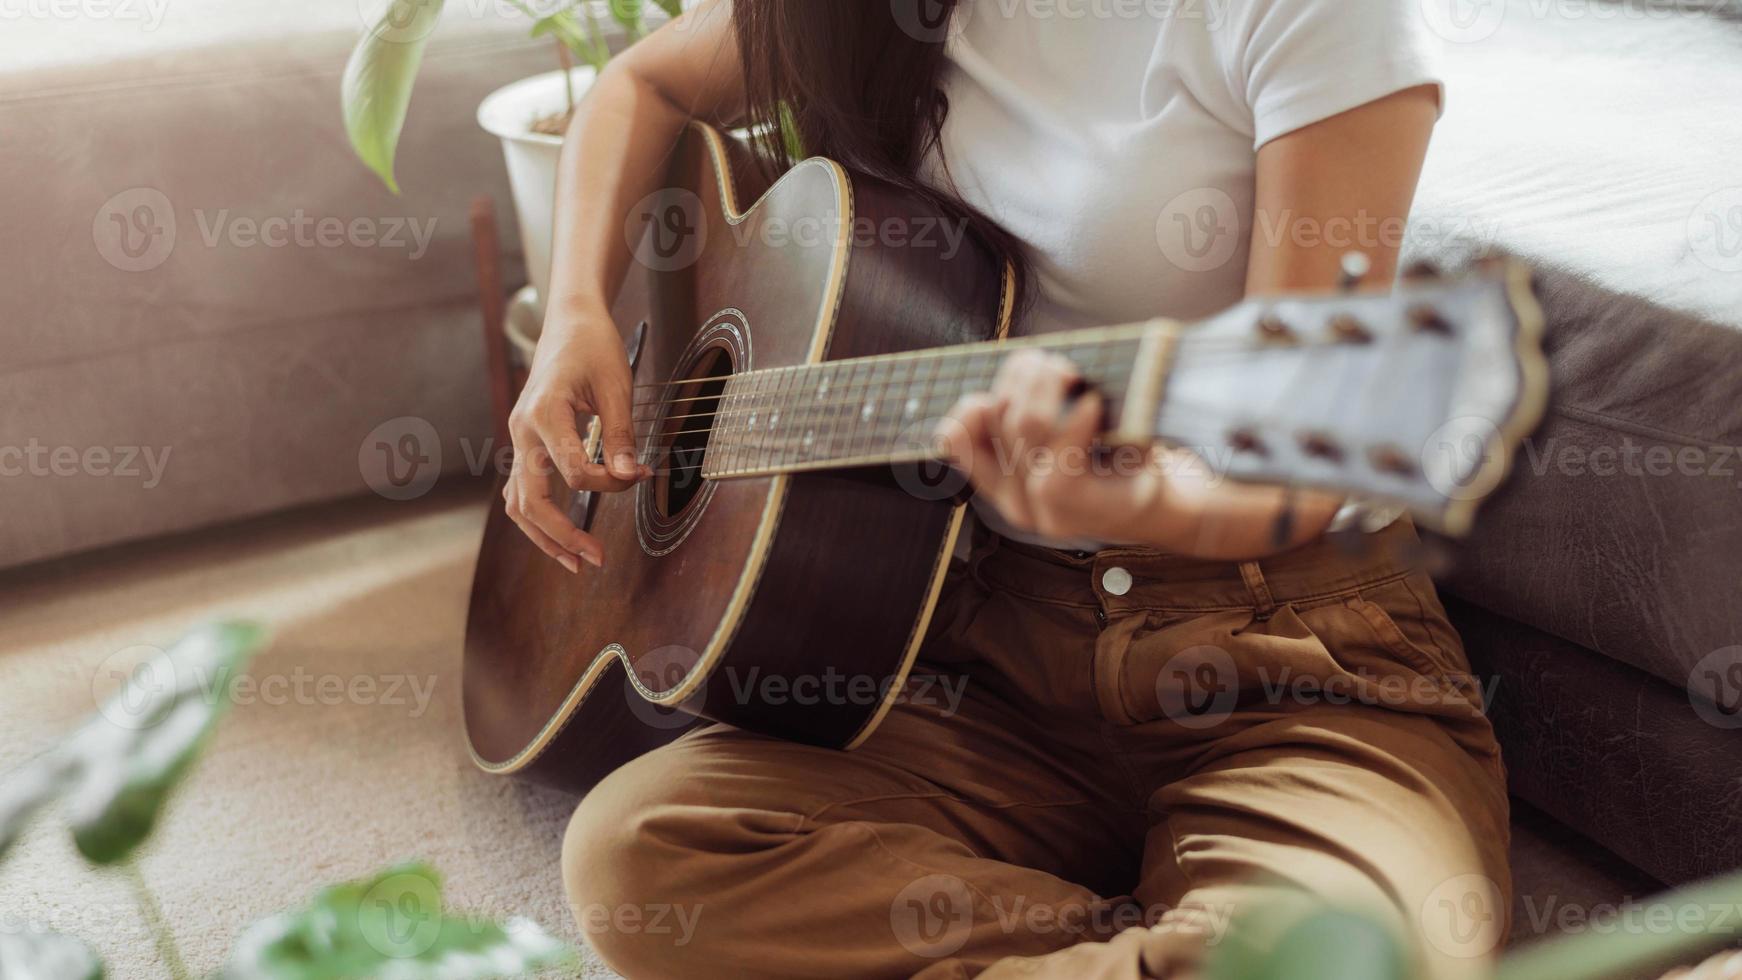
point(682, 442)
point(670, 504)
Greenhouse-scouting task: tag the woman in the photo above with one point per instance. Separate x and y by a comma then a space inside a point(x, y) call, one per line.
point(1198, 704)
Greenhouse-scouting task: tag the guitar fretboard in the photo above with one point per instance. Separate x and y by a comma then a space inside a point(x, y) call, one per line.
point(872, 410)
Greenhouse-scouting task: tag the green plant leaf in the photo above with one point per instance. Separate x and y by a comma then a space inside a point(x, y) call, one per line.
point(790, 137)
point(563, 26)
point(673, 8)
point(1621, 949)
point(28, 955)
point(376, 89)
point(1324, 943)
point(389, 927)
point(122, 764)
point(627, 13)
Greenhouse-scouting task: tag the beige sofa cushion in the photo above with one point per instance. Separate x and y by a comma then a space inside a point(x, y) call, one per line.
point(297, 304)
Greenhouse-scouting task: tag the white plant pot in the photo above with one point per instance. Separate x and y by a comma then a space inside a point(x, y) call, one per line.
point(508, 113)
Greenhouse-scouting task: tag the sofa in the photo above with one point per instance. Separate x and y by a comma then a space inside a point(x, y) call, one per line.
point(211, 375)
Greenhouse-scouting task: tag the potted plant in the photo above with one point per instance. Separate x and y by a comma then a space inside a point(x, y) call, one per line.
point(529, 116)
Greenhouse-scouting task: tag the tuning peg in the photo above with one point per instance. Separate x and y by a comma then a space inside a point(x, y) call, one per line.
point(1422, 269)
point(1247, 441)
point(1349, 330)
point(1274, 331)
point(1355, 267)
point(1320, 446)
point(1392, 460)
point(1428, 320)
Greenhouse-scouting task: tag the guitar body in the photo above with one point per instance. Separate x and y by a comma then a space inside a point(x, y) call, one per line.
point(791, 605)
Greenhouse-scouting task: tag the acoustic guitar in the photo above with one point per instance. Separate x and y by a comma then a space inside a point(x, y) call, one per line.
point(791, 360)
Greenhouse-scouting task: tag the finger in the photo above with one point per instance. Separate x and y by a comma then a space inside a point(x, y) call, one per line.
point(1078, 424)
point(1037, 386)
point(571, 458)
point(540, 539)
point(1066, 489)
point(967, 438)
point(557, 433)
point(616, 422)
point(532, 500)
point(546, 516)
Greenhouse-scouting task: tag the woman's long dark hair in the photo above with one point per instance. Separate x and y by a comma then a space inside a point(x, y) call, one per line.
point(858, 81)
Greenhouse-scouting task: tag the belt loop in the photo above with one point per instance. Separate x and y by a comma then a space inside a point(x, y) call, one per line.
point(985, 543)
point(1253, 576)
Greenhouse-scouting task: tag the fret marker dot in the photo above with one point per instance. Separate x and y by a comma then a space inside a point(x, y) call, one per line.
point(823, 388)
point(870, 409)
point(752, 420)
point(774, 420)
point(912, 407)
point(809, 437)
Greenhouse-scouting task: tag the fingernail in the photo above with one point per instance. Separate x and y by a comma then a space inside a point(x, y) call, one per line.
point(623, 465)
point(592, 559)
point(569, 563)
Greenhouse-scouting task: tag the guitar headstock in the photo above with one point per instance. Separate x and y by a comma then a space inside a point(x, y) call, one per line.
point(1419, 396)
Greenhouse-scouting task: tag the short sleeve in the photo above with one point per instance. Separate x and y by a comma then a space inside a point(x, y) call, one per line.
point(1297, 62)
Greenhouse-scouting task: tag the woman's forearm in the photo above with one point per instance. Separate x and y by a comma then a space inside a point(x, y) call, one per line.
point(616, 150)
point(1204, 516)
point(613, 157)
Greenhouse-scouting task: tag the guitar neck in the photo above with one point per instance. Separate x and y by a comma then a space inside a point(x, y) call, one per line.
point(884, 409)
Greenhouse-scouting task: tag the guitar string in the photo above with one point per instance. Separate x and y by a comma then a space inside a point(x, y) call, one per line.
point(778, 402)
point(868, 438)
point(969, 369)
point(744, 405)
point(1177, 413)
point(1181, 412)
point(1044, 342)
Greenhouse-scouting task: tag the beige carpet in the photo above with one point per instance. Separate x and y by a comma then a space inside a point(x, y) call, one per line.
point(300, 788)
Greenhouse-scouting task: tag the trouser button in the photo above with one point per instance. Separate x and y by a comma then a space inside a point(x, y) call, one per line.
point(1117, 581)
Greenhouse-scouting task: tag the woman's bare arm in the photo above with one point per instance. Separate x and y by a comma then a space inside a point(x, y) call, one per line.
point(612, 159)
point(617, 145)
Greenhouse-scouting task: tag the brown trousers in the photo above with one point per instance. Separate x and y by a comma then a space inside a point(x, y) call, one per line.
point(1100, 760)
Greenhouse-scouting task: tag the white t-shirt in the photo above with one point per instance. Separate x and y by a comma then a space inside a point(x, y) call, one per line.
point(1118, 139)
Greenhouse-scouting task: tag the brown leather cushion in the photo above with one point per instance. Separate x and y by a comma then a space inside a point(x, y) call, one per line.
point(1608, 750)
point(1560, 878)
point(1621, 528)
